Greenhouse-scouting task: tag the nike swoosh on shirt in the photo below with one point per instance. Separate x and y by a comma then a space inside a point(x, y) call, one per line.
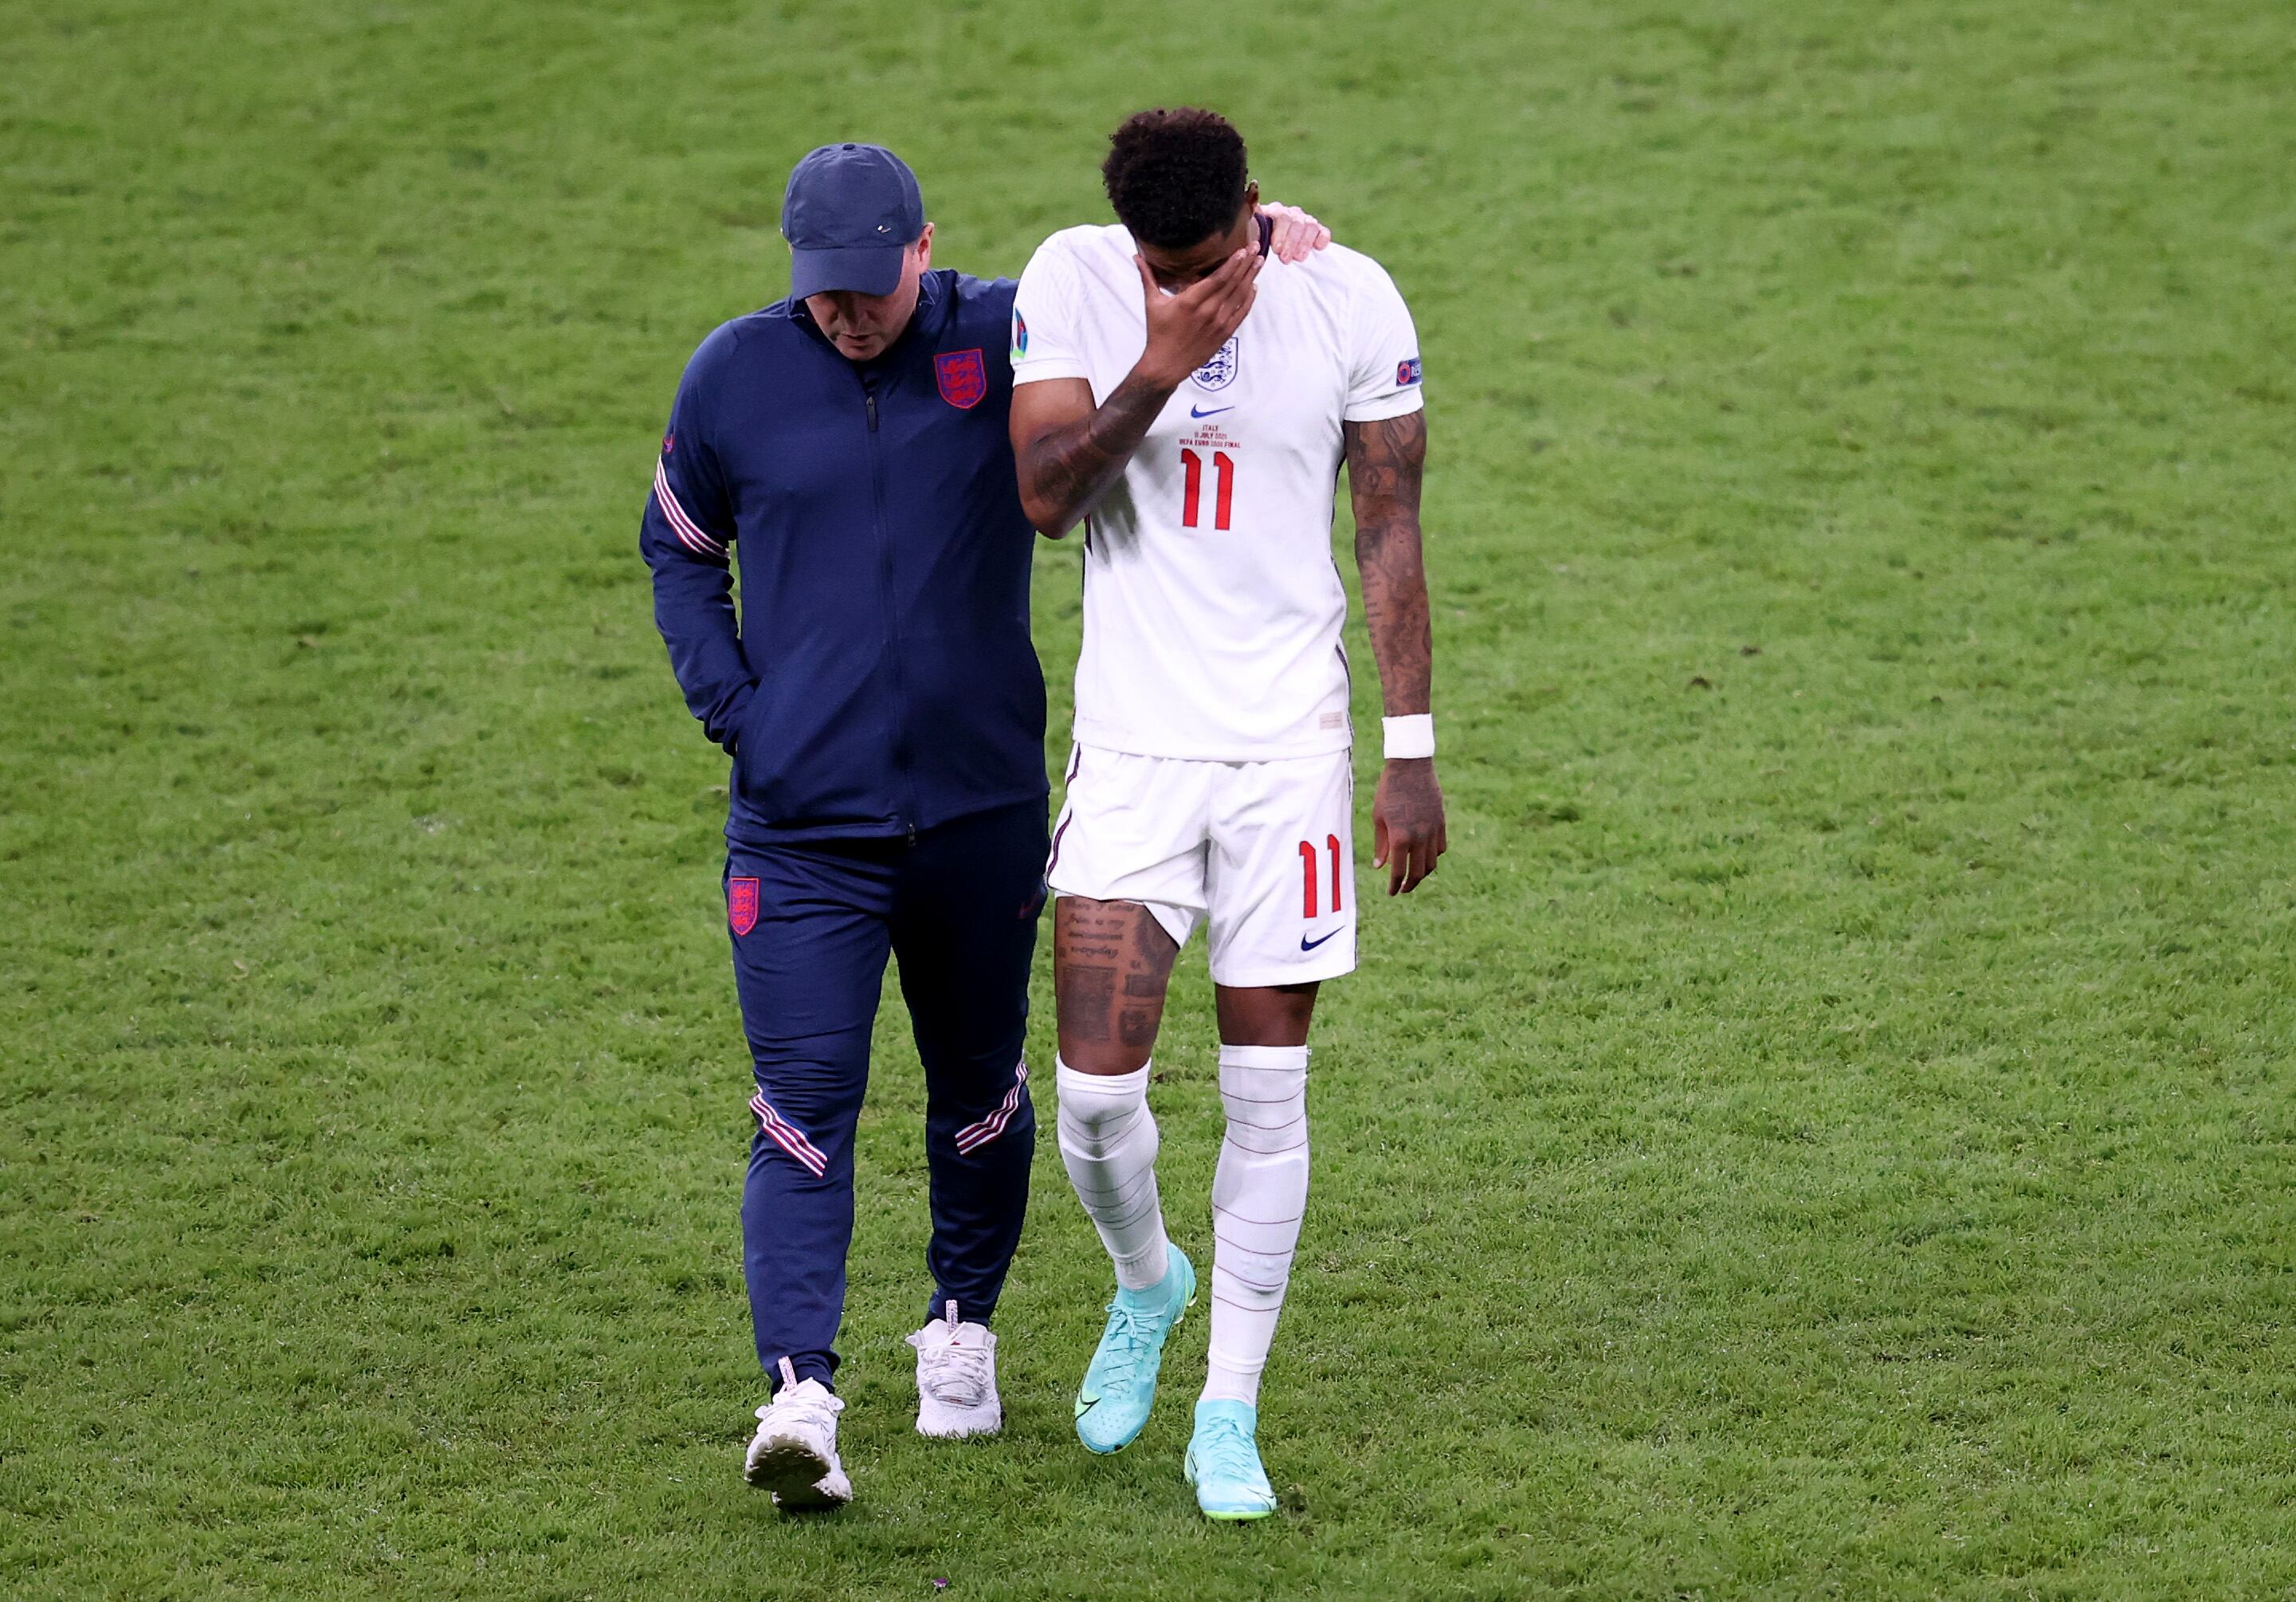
point(1309, 945)
point(1196, 411)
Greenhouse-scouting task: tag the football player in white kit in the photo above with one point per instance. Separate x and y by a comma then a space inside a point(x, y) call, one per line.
point(1192, 399)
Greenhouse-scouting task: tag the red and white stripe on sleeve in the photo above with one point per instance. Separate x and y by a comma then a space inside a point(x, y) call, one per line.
point(688, 532)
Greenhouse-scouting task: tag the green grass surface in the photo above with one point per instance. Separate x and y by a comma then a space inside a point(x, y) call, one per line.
point(1827, 1130)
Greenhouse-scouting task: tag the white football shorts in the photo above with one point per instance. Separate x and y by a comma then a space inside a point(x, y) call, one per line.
point(1263, 851)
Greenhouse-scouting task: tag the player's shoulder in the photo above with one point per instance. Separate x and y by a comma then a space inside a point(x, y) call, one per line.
point(1338, 267)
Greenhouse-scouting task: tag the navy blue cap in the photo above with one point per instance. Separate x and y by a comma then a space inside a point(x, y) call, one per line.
point(850, 211)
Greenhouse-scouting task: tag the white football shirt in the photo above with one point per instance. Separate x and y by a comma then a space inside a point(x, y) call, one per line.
point(1212, 609)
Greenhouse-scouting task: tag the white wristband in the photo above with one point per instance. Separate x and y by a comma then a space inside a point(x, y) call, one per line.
point(1408, 737)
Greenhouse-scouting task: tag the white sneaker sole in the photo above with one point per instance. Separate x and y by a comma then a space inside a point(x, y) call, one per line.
point(944, 1422)
point(797, 1476)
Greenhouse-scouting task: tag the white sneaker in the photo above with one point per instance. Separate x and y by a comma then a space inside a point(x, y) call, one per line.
point(794, 1454)
point(956, 1378)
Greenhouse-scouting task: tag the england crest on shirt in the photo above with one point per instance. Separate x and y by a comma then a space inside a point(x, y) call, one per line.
point(1219, 371)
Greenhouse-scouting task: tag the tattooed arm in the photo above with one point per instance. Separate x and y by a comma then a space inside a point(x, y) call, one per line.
point(1068, 451)
point(1385, 463)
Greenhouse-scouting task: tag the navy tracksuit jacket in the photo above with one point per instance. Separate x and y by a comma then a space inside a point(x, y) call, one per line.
point(885, 714)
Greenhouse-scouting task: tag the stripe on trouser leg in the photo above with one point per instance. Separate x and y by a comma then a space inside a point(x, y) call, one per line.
point(972, 1136)
point(787, 1136)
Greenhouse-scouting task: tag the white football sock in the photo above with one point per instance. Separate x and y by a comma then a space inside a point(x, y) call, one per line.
point(1108, 1140)
point(1259, 1195)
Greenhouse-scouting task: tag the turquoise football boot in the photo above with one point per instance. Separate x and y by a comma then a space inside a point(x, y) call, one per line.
point(1224, 1462)
point(1119, 1386)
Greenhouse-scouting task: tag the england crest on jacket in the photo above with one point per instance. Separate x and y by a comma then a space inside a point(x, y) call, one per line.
point(964, 378)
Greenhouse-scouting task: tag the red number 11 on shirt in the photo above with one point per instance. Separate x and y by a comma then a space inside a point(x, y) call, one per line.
point(1191, 486)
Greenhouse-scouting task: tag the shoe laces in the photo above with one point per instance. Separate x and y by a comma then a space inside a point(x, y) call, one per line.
point(812, 1404)
point(1223, 1450)
point(1131, 1331)
point(948, 1369)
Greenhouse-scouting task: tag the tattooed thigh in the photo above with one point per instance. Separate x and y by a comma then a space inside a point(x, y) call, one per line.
point(1111, 963)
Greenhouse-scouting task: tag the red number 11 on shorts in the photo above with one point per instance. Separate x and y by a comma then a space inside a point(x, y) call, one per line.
point(1308, 865)
point(1192, 488)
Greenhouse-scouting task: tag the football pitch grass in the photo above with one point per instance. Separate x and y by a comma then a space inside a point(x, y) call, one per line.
point(1826, 1130)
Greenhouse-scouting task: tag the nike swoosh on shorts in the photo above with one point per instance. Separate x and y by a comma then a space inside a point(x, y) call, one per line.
point(1309, 945)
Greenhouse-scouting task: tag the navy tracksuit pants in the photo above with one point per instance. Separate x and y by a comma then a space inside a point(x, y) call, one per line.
point(812, 924)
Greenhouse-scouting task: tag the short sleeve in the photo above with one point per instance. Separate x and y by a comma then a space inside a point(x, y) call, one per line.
point(1383, 363)
point(1046, 341)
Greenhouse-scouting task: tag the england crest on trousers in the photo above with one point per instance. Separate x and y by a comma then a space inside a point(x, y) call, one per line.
point(742, 904)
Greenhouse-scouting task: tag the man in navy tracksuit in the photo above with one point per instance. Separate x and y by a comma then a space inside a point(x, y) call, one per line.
point(885, 713)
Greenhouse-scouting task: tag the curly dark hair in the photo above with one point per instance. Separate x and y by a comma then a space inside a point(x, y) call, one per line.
point(1176, 178)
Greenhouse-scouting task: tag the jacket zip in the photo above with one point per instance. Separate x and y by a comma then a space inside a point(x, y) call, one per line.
point(892, 616)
